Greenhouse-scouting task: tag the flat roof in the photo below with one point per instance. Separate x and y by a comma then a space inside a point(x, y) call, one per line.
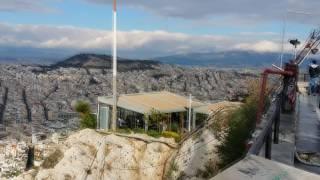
point(258, 168)
point(209, 108)
point(163, 101)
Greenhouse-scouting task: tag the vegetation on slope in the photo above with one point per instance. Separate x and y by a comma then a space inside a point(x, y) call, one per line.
point(240, 124)
point(88, 120)
point(53, 159)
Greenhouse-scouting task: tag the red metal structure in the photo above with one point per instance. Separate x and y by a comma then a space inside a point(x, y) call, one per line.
point(264, 75)
point(290, 76)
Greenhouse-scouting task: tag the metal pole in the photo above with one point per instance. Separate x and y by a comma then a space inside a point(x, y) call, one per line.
point(98, 116)
point(189, 118)
point(283, 36)
point(277, 121)
point(268, 145)
point(264, 77)
point(114, 109)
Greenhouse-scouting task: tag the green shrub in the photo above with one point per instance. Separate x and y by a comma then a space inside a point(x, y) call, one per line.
point(170, 134)
point(154, 133)
point(82, 107)
point(154, 118)
point(241, 123)
point(240, 128)
point(88, 121)
point(124, 130)
point(138, 130)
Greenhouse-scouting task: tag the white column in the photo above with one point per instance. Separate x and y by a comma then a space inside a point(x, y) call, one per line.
point(189, 117)
point(114, 55)
point(98, 118)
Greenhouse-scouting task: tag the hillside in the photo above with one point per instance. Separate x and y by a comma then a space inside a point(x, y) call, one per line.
point(28, 94)
point(50, 92)
point(104, 62)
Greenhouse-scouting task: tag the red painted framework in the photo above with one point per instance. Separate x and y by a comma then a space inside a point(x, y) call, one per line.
point(264, 75)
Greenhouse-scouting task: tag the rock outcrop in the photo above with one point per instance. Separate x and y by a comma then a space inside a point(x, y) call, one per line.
point(92, 155)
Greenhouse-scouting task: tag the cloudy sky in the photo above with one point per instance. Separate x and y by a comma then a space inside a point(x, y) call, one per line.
point(151, 28)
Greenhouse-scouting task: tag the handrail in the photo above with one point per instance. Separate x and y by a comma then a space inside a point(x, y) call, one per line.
point(264, 130)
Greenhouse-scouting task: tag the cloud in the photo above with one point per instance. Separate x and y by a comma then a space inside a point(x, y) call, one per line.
point(24, 5)
point(261, 46)
point(245, 11)
point(133, 43)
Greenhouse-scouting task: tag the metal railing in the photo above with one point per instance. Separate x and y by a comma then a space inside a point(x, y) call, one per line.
point(271, 124)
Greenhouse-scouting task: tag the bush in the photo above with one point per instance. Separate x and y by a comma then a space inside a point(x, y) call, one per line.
point(170, 134)
point(154, 133)
point(138, 130)
point(154, 119)
point(82, 107)
point(241, 124)
point(88, 121)
point(124, 130)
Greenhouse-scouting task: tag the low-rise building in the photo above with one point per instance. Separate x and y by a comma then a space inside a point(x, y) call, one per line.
point(135, 110)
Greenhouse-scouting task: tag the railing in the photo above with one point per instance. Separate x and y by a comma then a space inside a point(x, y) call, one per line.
point(263, 133)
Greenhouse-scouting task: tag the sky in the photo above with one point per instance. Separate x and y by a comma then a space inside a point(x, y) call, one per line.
point(153, 28)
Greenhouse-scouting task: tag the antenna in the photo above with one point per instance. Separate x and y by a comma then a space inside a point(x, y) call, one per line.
point(114, 57)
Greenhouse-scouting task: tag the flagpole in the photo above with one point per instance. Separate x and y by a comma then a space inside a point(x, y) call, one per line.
point(114, 58)
point(189, 117)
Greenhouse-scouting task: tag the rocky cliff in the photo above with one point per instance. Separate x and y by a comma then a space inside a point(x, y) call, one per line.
point(92, 155)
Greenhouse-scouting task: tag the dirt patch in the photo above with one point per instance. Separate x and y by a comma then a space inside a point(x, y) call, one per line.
point(53, 159)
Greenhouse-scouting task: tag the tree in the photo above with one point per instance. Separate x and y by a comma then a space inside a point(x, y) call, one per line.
point(155, 117)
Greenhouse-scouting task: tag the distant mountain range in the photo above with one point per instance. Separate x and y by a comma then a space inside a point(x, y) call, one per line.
point(228, 59)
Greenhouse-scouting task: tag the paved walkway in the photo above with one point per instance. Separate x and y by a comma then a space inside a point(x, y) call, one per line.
point(258, 168)
point(308, 125)
point(284, 151)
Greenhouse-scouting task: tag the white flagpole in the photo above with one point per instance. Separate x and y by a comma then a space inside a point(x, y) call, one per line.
point(190, 106)
point(114, 55)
